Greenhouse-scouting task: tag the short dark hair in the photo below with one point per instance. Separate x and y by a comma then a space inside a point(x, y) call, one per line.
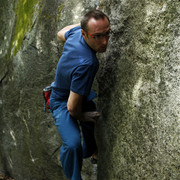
point(96, 14)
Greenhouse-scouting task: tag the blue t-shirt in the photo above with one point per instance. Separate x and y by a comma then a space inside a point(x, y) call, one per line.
point(76, 68)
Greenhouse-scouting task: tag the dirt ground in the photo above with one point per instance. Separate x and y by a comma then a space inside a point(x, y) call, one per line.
point(5, 177)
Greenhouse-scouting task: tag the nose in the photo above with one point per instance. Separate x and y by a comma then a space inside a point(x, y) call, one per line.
point(105, 40)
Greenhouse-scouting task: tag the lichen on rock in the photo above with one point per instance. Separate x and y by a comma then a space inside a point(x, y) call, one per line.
point(25, 12)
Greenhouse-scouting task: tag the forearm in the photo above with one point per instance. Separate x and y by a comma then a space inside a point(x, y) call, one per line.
point(74, 106)
point(85, 116)
point(77, 115)
point(67, 28)
point(61, 33)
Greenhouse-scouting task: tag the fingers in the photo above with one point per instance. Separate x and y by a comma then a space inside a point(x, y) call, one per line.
point(91, 116)
point(91, 120)
point(97, 114)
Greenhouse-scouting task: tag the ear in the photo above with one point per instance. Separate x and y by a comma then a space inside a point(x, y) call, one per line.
point(83, 33)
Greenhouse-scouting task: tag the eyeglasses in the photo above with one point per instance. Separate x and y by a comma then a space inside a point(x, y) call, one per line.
point(99, 37)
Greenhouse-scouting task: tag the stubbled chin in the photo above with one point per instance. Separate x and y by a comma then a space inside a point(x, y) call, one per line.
point(102, 50)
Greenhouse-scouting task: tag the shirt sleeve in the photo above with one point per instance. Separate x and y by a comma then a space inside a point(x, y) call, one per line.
point(82, 80)
point(70, 32)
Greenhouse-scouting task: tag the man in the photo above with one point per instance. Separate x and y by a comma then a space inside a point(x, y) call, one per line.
point(71, 97)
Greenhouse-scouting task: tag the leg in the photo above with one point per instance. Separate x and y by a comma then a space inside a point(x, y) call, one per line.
point(89, 143)
point(71, 150)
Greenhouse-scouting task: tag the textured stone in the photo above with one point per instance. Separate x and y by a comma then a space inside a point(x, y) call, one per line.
point(139, 92)
point(138, 85)
point(30, 52)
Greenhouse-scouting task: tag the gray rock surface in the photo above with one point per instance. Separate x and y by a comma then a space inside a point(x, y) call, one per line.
point(138, 84)
point(139, 92)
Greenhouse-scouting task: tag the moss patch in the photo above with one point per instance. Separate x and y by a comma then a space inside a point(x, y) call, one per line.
point(24, 15)
point(60, 8)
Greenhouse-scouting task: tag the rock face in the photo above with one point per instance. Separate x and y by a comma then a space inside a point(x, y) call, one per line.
point(138, 85)
point(139, 92)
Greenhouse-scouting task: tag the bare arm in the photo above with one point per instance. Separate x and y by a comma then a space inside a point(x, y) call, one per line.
point(74, 106)
point(61, 33)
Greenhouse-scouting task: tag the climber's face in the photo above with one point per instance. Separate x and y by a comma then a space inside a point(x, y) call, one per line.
point(98, 34)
